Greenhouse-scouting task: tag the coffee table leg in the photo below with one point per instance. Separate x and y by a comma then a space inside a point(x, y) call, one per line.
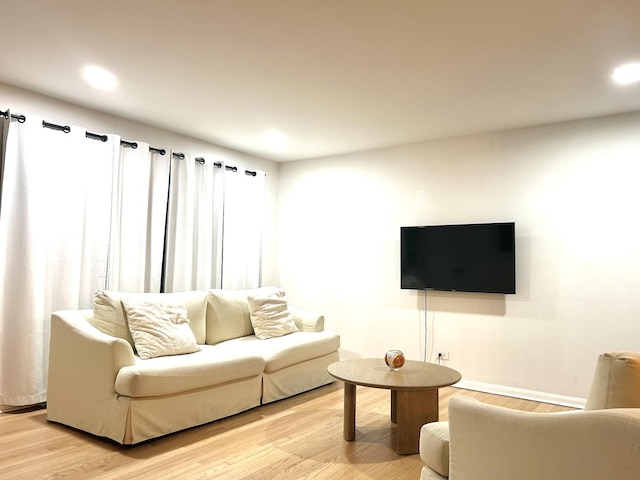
point(349, 411)
point(394, 406)
point(414, 409)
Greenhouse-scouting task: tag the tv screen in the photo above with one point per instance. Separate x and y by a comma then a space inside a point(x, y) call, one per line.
point(476, 257)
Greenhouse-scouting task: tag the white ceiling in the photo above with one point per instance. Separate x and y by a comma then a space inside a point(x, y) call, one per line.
point(334, 75)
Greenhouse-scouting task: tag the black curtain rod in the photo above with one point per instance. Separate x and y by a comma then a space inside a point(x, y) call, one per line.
point(66, 129)
point(201, 161)
point(235, 169)
point(96, 136)
point(20, 118)
point(161, 151)
point(103, 138)
point(134, 145)
point(53, 126)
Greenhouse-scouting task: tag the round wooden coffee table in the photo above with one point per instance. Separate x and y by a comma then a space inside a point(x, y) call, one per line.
point(414, 394)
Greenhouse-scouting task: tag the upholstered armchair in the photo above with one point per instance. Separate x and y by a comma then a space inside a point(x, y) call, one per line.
point(616, 382)
point(486, 442)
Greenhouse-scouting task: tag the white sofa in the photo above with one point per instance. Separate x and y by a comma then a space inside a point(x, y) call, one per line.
point(97, 383)
point(486, 442)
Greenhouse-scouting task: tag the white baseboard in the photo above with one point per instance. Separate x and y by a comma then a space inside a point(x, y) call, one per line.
point(544, 397)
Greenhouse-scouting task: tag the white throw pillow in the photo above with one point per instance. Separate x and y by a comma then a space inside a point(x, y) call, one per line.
point(270, 316)
point(159, 329)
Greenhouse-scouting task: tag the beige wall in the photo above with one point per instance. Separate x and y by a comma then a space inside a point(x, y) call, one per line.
point(55, 111)
point(573, 191)
point(571, 188)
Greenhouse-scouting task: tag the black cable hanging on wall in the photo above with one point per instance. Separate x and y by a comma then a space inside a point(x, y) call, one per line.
point(103, 138)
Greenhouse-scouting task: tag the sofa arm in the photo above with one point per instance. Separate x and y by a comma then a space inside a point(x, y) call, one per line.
point(497, 443)
point(83, 364)
point(307, 321)
point(80, 354)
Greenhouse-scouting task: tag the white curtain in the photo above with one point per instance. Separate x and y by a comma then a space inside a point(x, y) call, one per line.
point(243, 226)
point(78, 215)
point(5, 121)
point(194, 226)
point(141, 188)
point(54, 239)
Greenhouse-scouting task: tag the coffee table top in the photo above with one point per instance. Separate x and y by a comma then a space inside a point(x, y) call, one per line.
point(373, 372)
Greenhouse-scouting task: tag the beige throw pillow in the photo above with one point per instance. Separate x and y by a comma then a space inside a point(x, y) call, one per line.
point(270, 316)
point(109, 316)
point(159, 329)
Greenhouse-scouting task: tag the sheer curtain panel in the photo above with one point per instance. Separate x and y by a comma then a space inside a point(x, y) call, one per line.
point(4, 132)
point(243, 226)
point(194, 226)
point(141, 188)
point(54, 242)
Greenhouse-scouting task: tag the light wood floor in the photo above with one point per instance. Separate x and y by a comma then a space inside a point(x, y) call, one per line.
point(296, 438)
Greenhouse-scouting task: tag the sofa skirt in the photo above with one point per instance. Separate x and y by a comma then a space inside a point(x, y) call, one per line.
point(153, 417)
point(298, 378)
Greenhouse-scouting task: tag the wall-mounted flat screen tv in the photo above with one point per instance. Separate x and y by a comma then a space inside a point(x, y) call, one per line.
point(479, 257)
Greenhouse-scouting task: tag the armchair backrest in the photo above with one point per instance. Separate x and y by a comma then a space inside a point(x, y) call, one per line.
point(616, 382)
point(496, 443)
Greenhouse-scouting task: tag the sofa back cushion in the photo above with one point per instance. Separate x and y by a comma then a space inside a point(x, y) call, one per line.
point(109, 315)
point(228, 313)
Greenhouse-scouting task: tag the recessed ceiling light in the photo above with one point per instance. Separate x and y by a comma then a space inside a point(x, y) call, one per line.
point(99, 78)
point(275, 139)
point(626, 74)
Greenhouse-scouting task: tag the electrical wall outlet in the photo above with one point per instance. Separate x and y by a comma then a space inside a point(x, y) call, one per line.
point(442, 355)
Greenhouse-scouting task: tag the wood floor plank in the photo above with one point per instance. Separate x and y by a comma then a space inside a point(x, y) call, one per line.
point(296, 438)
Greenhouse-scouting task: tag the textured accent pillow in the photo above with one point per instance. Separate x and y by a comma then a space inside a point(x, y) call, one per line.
point(159, 329)
point(270, 316)
point(110, 318)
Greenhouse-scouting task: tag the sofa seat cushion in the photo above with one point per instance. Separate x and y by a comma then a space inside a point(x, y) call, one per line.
point(181, 373)
point(282, 352)
point(434, 446)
